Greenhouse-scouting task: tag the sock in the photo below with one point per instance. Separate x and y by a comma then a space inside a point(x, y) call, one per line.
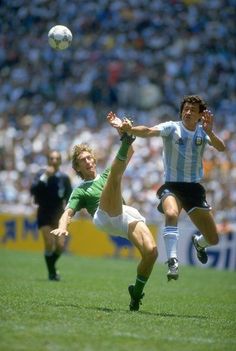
point(139, 285)
point(50, 262)
point(171, 235)
point(123, 151)
point(202, 241)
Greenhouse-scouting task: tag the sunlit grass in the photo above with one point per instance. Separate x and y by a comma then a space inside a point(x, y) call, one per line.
point(88, 309)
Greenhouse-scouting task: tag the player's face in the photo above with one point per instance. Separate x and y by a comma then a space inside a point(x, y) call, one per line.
point(86, 165)
point(190, 115)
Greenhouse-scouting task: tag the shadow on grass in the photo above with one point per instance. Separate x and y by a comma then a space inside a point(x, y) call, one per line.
point(115, 310)
point(172, 315)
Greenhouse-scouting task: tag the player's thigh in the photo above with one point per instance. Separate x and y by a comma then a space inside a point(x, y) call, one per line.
point(204, 221)
point(142, 238)
point(171, 204)
point(111, 199)
point(171, 207)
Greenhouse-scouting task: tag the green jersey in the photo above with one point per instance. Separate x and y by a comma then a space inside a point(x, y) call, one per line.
point(87, 194)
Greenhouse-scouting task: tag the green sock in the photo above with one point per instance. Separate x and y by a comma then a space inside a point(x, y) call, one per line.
point(123, 151)
point(139, 285)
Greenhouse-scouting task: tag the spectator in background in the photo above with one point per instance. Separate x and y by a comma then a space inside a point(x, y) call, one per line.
point(51, 190)
point(121, 51)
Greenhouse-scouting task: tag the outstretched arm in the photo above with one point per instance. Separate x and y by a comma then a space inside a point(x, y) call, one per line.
point(207, 124)
point(139, 131)
point(64, 221)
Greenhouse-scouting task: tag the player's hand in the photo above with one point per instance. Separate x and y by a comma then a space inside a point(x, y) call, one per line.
point(126, 125)
point(59, 232)
point(114, 120)
point(207, 121)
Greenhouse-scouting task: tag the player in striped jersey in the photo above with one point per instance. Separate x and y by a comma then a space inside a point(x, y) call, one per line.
point(100, 195)
point(184, 142)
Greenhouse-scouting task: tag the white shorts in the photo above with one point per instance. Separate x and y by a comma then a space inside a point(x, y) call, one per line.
point(117, 226)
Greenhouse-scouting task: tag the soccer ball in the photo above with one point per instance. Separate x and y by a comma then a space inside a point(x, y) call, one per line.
point(59, 37)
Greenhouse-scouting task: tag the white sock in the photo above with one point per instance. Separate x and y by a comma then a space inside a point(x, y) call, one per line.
point(171, 235)
point(202, 241)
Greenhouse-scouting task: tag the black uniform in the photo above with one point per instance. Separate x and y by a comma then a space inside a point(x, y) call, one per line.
point(51, 194)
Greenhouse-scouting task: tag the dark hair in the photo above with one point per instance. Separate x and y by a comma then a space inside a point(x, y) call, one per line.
point(193, 99)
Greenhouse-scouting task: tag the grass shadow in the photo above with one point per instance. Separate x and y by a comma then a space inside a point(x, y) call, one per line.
point(115, 310)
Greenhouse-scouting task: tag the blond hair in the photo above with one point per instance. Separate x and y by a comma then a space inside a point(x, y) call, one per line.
point(76, 151)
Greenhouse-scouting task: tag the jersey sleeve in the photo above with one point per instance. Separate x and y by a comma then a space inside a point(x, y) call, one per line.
point(165, 128)
point(75, 201)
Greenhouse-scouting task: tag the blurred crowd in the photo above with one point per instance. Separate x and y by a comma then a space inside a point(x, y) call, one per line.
point(134, 57)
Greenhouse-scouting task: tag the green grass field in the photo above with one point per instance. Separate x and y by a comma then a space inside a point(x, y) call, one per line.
point(88, 309)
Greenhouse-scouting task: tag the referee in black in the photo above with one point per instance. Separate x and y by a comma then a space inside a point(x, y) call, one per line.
point(51, 190)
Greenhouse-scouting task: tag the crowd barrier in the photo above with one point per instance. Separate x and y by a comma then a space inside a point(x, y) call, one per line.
point(18, 232)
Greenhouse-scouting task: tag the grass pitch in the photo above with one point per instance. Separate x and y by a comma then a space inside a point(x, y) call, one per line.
point(88, 309)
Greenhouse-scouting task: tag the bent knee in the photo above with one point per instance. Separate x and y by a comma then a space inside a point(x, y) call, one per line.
point(60, 248)
point(151, 254)
point(171, 215)
point(49, 245)
point(214, 240)
point(60, 245)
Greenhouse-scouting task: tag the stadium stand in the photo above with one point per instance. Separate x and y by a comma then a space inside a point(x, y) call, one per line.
point(129, 57)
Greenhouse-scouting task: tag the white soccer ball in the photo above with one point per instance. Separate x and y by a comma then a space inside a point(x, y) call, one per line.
point(60, 37)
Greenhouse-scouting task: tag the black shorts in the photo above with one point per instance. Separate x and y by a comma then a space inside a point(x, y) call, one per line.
point(48, 217)
point(190, 195)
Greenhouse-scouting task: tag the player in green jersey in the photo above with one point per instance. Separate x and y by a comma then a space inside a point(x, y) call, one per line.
point(100, 195)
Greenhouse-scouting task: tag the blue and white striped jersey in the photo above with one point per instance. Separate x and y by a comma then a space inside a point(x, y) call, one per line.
point(182, 151)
